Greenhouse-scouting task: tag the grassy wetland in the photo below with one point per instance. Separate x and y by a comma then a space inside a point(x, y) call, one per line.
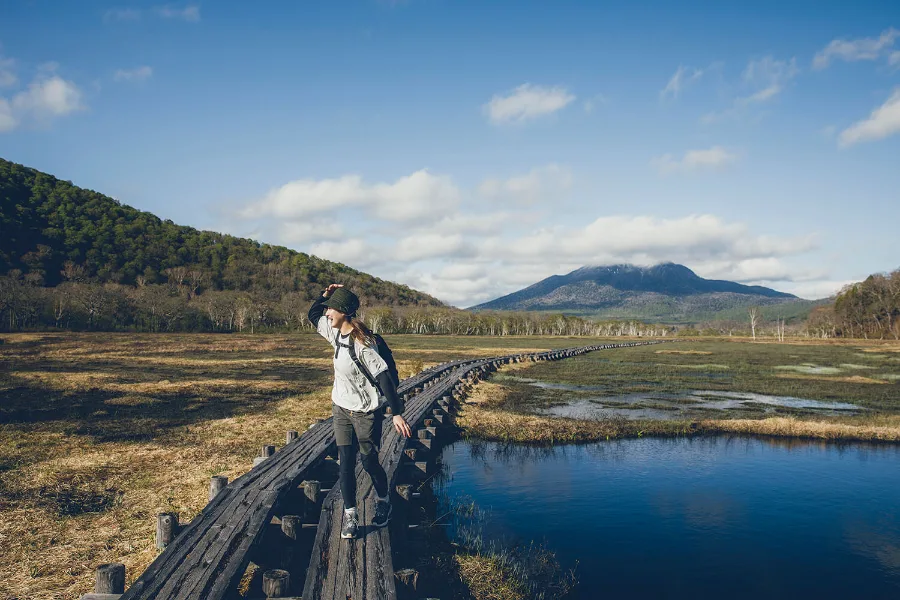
point(695, 387)
point(99, 432)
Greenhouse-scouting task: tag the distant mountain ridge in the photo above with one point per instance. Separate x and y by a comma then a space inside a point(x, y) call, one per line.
point(664, 292)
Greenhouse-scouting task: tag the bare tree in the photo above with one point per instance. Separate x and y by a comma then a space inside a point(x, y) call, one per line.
point(176, 275)
point(753, 311)
point(195, 280)
point(779, 329)
point(73, 272)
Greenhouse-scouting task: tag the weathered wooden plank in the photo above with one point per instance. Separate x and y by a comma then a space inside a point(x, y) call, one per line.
point(165, 578)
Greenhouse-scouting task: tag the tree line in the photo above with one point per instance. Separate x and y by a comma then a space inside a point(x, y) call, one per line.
point(178, 306)
point(866, 309)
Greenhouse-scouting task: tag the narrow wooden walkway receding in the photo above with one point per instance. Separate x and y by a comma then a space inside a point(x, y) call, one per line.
point(207, 559)
point(363, 567)
point(209, 556)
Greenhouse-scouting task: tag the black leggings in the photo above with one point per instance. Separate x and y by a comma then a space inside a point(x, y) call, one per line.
point(370, 463)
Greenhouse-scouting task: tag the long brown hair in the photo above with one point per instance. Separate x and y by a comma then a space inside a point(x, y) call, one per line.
point(361, 333)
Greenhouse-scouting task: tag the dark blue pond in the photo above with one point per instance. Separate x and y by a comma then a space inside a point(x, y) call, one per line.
point(702, 518)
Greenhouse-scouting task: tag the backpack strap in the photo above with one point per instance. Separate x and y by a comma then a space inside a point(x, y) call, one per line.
point(362, 367)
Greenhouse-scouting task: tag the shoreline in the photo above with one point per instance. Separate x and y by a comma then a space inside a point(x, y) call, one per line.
point(480, 420)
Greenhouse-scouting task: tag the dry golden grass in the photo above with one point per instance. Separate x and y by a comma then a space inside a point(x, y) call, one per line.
point(882, 348)
point(485, 578)
point(843, 379)
point(887, 431)
point(99, 432)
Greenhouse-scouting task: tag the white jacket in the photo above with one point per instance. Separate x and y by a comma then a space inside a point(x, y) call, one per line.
point(352, 390)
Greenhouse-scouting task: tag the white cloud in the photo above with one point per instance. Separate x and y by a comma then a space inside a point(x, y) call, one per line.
point(763, 80)
point(527, 102)
point(541, 183)
point(121, 14)
point(749, 270)
point(683, 77)
point(422, 246)
point(770, 76)
point(190, 13)
point(353, 252)
point(45, 99)
point(894, 59)
point(881, 123)
point(644, 239)
point(8, 120)
point(814, 290)
point(304, 232)
point(8, 77)
point(420, 196)
point(472, 253)
point(137, 74)
point(856, 50)
point(694, 160)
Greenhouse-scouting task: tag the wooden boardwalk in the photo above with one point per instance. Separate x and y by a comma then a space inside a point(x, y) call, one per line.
point(208, 558)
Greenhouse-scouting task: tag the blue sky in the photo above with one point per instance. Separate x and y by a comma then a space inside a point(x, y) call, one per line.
point(470, 148)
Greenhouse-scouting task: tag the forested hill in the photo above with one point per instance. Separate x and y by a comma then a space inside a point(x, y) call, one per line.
point(49, 226)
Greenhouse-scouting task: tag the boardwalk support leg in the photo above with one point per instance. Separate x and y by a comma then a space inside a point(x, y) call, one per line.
point(216, 485)
point(276, 583)
point(166, 529)
point(110, 579)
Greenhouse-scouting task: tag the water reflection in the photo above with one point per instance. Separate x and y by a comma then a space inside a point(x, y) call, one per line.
point(684, 405)
point(771, 517)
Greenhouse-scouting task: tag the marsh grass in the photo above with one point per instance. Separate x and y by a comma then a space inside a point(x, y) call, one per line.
point(491, 568)
point(499, 412)
point(849, 371)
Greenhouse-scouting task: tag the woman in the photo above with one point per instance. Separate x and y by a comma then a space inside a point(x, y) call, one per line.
point(357, 403)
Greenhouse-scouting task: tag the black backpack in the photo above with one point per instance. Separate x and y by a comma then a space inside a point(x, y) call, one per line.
point(384, 351)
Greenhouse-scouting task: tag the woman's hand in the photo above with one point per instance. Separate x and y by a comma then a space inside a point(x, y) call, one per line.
point(330, 289)
point(402, 426)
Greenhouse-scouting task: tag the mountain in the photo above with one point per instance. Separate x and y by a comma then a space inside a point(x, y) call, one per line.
point(666, 292)
point(47, 223)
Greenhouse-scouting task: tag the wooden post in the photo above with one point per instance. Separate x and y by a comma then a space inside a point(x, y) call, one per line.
point(290, 525)
point(110, 579)
point(216, 485)
point(267, 451)
point(276, 583)
point(292, 435)
point(312, 489)
point(166, 529)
